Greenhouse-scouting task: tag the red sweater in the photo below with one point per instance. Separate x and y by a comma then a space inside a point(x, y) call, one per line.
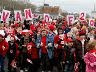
point(56, 41)
point(32, 50)
point(43, 47)
point(3, 48)
point(32, 27)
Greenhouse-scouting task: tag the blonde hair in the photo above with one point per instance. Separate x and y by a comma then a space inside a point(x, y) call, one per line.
point(91, 45)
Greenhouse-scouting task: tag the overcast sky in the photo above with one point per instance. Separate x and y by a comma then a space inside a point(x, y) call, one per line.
point(69, 5)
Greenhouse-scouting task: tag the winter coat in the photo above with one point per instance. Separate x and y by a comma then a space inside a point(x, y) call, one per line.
point(89, 58)
point(3, 48)
point(32, 51)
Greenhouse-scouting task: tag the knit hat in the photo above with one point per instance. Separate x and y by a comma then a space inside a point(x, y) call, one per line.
point(51, 27)
point(69, 40)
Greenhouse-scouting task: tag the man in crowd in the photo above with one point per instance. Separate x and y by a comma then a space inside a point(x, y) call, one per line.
point(3, 50)
point(49, 44)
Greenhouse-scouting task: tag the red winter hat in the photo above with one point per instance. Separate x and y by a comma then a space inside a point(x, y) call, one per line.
point(82, 32)
point(53, 23)
point(13, 26)
point(84, 22)
point(69, 40)
point(16, 25)
point(43, 22)
point(32, 28)
point(51, 27)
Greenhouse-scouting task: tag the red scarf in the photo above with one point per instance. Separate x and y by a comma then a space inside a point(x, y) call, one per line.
point(91, 51)
point(43, 49)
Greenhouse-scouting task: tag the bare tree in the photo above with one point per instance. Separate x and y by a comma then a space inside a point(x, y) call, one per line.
point(15, 5)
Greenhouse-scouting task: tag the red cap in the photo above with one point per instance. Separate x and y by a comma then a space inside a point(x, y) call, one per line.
point(53, 23)
point(16, 25)
point(69, 40)
point(43, 22)
point(13, 26)
point(32, 28)
point(51, 27)
point(82, 32)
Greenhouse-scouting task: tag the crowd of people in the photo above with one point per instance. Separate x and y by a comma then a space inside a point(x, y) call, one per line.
point(43, 46)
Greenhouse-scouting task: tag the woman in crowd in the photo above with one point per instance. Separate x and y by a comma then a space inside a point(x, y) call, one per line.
point(59, 43)
point(33, 55)
point(90, 57)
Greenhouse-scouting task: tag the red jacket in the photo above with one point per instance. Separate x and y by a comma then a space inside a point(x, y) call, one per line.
point(3, 48)
point(58, 41)
point(32, 27)
point(32, 51)
point(43, 47)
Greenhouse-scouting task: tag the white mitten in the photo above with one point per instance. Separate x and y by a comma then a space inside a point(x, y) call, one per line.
point(56, 45)
point(49, 44)
point(3, 48)
point(38, 45)
point(28, 60)
point(41, 44)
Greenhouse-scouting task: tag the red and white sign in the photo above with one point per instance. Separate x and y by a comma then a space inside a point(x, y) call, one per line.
point(91, 22)
point(82, 16)
point(28, 14)
point(46, 17)
point(5, 15)
point(10, 31)
point(70, 19)
point(18, 15)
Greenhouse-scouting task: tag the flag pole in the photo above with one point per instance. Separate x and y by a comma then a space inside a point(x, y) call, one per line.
point(44, 2)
